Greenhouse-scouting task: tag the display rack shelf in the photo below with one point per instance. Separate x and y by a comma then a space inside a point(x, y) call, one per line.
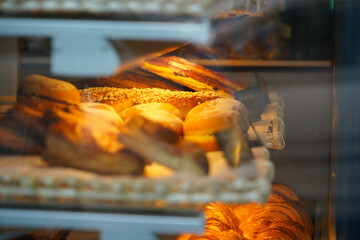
point(79, 44)
point(110, 225)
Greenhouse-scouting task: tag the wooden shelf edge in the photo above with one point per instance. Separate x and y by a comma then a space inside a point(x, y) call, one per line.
point(262, 63)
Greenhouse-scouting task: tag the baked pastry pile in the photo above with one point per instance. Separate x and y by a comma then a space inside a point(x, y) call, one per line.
point(119, 130)
point(283, 216)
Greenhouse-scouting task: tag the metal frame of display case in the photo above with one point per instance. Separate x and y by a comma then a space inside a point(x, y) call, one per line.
point(110, 225)
point(79, 44)
point(79, 36)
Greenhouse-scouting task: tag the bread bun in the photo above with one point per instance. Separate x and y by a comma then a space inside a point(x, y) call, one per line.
point(150, 107)
point(207, 142)
point(161, 113)
point(50, 89)
point(209, 117)
point(103, 111)
point(156, 131)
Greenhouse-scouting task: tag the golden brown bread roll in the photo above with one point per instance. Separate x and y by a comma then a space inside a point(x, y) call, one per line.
point(150, 107)
point(43, 94)
point(123, 98)
point(60, 152)
point(164, 114)
point(210, 117)
point(104, 111)
point(82, 128)
point(213, 115)
point(156, 131)
point(207, 142)
point(86, 141)
point(49, 89)
point(184, 157)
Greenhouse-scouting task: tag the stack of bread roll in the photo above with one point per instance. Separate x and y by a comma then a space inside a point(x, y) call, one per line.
point(82, 129)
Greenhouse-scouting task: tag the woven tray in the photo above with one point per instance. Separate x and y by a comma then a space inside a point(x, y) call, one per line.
point(32, 179)
point(192, 8)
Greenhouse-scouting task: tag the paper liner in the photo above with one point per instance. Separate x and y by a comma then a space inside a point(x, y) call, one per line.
point(271, 127)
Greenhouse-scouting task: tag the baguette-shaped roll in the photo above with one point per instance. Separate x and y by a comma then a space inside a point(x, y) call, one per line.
point(190, 75)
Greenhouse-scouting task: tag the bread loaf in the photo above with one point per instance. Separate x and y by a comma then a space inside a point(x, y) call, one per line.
point(189, 74)
point(122, 98)
point(80, 139)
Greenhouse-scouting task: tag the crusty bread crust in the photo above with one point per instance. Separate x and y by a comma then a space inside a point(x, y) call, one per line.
point(188, 74)
point(88, 141)
point(48, 88)
point(60, 152)
point(122, 98)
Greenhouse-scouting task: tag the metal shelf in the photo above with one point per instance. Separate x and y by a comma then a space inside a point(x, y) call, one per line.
point(110, 225)
point(140, 30)
point(263, 63)
point(81, 48)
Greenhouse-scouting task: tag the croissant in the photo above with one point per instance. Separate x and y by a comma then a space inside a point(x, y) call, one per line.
point(282, 217)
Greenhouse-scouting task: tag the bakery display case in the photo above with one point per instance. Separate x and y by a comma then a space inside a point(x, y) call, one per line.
point(176, 119)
